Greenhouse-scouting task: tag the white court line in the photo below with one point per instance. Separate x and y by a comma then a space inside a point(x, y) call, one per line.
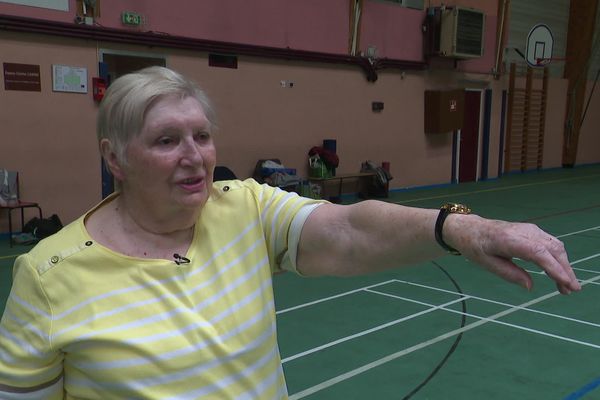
point(391, 357)
point(433, 308)
point(579, 321)
point(591, 271)
point(520, 327)
point(575, 269)
point(375, 329)
point(441, 196)
point(587, 270)
point(594, 283)
point(585, 259)
point(581, 231)
point(332, 297)
point(366, 288)
point(392, 280)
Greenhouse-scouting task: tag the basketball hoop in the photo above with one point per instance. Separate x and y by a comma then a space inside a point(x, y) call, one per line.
point(542, 62)
point(540, 42)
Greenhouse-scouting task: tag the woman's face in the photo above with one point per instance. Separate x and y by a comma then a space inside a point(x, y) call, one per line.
point(170, 163)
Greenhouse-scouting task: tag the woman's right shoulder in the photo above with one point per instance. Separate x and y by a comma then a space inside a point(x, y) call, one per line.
point(51, 250)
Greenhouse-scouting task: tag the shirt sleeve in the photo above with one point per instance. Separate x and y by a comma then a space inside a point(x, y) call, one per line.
point(282, 216)
point(29, 367)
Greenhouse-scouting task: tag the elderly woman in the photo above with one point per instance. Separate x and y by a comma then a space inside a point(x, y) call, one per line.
point(163, 290)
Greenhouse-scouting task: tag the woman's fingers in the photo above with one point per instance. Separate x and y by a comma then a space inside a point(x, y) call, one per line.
point(548, 253)
point(508, 271)
point(496, 243)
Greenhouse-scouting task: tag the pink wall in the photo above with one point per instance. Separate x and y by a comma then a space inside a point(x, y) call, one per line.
point(56, 148)
point(304, 25)
point(588, 150)
point(497, 87)
point(396, 32)
point(49, 136)
point(38, 12)
point(555, 116)
point(54, 144)
point(314, 25)
point(325, 102)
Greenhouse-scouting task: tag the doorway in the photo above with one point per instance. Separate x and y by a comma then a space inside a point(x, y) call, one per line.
point(113, 64)
point(117, 63)
point(468, 148)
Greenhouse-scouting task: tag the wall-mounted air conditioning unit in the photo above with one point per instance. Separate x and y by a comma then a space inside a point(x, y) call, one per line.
point(454, 32)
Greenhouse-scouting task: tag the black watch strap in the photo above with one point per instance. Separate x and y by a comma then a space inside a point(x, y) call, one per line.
point(445, 210)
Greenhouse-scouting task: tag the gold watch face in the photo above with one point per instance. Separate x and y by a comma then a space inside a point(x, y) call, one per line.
point(456, 208)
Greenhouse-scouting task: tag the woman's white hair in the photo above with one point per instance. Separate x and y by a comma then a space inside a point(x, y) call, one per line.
point(123, 108)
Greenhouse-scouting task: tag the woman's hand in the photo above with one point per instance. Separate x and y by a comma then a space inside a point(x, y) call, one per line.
point(493, 244)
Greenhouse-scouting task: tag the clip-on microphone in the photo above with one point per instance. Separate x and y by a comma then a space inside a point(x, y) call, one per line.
point(179, 259)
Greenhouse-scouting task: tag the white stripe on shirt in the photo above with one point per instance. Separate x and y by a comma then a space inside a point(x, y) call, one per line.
point(161, 282)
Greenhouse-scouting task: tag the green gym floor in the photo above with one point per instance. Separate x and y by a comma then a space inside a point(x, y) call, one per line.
point(446, 329)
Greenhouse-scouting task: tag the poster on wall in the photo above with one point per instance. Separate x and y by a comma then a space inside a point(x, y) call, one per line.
point(22, 77)
point(69, 79)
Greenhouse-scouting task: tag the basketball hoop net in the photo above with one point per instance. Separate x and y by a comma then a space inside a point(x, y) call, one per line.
point(542, 62)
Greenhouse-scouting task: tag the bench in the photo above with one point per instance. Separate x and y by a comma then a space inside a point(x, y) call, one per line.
point(335, 186)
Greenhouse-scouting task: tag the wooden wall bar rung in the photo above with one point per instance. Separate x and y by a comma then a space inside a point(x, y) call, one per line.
point(526, 116)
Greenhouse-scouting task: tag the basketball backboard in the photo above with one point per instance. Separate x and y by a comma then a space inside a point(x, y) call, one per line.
point(539, 46)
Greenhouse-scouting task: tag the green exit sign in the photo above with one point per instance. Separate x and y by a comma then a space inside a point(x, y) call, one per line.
point(131, 18)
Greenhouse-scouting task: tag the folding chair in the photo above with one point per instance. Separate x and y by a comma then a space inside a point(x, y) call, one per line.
point(222, 173)
point(18, 204)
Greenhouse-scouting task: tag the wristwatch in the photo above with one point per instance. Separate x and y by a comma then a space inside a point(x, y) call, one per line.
point(445, 210)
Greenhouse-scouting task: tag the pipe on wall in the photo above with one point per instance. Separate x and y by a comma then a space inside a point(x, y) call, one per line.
point(39, 26)
point(503, 7)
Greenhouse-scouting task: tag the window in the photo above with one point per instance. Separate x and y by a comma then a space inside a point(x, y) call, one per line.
point(61, 5)
point(416, 4)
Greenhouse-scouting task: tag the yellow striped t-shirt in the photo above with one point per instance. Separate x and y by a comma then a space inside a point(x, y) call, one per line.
point(83, 321)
